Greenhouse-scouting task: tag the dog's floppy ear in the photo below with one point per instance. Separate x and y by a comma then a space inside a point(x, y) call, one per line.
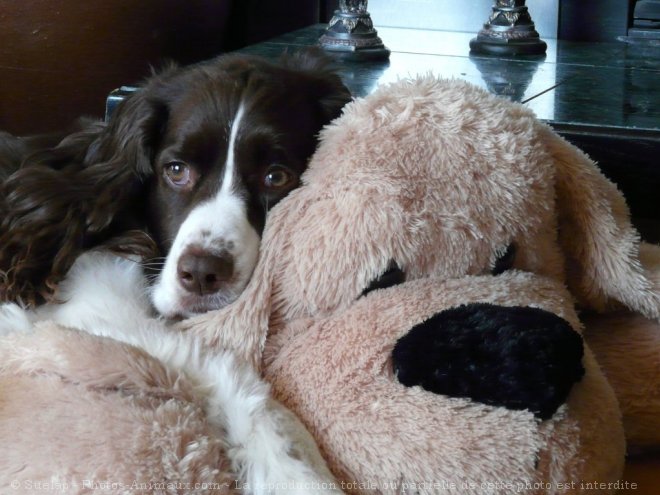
point(600, 244)
point(68, 198)
point(328, 91)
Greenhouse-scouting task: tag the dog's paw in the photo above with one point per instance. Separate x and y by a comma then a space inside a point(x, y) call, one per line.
point(515, 357)
point(14, 319)
point(296, 469)
point(288, 475)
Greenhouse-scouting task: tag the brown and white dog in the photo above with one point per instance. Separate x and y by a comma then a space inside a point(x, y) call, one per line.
point(194, 160)
point(189, 167)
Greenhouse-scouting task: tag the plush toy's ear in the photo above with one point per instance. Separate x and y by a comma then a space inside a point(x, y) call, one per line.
point(600, 244)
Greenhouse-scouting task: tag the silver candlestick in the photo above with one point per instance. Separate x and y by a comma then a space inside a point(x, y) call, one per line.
point(508, 31)
point(351, 34)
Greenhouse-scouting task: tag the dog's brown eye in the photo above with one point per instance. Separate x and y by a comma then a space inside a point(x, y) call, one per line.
point(179, 174)
point(278, 177)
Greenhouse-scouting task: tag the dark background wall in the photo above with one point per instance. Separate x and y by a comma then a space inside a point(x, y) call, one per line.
point(60, 58)
point(594, 20)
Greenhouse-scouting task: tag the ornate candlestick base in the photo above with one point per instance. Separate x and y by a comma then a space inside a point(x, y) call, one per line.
point(509, 31)
point(351, 34)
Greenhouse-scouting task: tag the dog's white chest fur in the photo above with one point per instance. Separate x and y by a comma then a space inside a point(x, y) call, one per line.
point(269, 449)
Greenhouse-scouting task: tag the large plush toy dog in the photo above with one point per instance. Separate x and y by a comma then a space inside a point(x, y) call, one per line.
point(415, 306)
point(482, 230)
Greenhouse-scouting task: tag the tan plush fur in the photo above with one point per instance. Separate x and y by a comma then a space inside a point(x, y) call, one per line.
point(440, 177)
point(97, 411)
point(627, 346)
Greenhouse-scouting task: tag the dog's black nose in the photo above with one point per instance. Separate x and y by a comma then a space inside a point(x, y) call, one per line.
point(204, 273)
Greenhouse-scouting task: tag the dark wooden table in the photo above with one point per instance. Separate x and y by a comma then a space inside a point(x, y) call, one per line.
point(614, 85)
point(604, 97)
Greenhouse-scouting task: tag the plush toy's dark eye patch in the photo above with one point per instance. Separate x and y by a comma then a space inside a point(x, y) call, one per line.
point(392, 276)
point(505, 261)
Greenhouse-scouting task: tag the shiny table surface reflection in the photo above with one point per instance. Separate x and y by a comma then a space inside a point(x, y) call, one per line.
point(613, 85)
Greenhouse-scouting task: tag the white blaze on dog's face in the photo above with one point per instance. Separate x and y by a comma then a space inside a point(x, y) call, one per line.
point(214, 251)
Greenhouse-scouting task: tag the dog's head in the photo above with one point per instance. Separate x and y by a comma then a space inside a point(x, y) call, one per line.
point(194, 159)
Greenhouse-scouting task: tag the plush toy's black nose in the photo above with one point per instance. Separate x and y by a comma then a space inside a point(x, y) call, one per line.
point(204, 273)
point(515, 357)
